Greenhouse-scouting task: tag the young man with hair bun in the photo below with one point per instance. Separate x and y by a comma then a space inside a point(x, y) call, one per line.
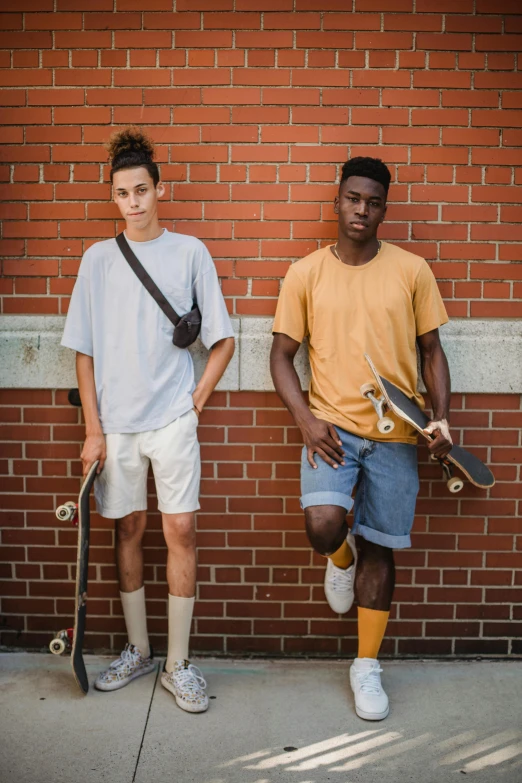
point(141, 404)
point(360, 295)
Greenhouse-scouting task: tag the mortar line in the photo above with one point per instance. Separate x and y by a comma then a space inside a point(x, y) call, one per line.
point(146, 723)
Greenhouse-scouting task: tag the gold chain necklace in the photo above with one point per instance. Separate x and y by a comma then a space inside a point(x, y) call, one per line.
point(336, 254)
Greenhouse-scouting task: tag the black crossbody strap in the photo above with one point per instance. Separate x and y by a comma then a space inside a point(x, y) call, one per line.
point(144, 277)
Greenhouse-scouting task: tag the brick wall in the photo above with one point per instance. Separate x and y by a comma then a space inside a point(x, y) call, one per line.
point(459, 589)
point(253, 104)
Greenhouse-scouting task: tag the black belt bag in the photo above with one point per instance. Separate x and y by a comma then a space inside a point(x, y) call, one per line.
point(186, 327)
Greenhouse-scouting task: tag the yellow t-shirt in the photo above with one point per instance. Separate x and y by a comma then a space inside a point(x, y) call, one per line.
point(345, 311)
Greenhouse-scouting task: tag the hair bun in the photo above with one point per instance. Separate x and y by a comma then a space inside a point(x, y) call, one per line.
point(129, 140)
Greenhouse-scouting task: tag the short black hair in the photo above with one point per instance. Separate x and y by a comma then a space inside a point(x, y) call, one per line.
point(131, 148)
point(372, 168)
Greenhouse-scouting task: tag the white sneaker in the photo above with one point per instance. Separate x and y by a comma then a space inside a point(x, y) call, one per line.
point(371, 701)
point(187, 685)
point(339, 582)
point(127, 667)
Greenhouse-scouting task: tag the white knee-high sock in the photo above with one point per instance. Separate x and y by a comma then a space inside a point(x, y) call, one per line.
point(180, 619)
point(136, 619)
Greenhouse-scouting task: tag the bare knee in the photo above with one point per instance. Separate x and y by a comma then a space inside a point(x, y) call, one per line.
point(326, 528)
point(130, 527)
point(179, 530)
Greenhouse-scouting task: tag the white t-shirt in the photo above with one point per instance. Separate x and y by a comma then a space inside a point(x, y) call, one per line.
point(143, 382)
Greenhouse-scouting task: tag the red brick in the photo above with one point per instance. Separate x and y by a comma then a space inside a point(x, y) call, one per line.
point(152, 5)
point(387, 5)
point(501, 118)
point(400, 40)
point(143, 40)
point(450, 80)
point(500, 43)
point(204, 39)
point(373, 78)
point(13, 78)
point(232, 21)
point(439, 117)
point(26, 40)
point(233, 96)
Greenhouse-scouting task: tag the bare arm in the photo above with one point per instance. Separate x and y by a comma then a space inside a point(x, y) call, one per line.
point(94, 446)
point(220, 356)
point(319, 436)
point(435, 373)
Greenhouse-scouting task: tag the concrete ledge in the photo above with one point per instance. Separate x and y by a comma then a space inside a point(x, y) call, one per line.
point(485, 356)
point(31, 356)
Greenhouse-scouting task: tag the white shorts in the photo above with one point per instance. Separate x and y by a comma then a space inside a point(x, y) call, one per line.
point(173, 451)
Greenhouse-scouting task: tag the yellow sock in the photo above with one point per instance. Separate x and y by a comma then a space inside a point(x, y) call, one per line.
point(371, 625)
point(343, 558)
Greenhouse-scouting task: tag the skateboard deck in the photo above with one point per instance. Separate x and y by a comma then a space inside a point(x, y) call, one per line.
point(74, 637)
point(408, 410)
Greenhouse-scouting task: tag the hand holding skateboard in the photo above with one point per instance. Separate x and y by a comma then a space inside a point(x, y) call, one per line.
point(394, 400)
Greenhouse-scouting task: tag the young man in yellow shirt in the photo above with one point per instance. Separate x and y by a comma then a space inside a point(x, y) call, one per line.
point(361, 295)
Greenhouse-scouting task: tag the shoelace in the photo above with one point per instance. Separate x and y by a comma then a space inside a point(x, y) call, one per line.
point(191, 679)
point(370, 681)
point(126, 657)
point(341, 578)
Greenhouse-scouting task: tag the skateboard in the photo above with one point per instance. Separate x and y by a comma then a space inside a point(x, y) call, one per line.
point(72, 638)
point(394, 400)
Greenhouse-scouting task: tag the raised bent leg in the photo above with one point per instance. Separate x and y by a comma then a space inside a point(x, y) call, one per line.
point(327, 531)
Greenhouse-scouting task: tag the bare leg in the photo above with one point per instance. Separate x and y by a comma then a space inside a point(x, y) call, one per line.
point(129, 559)
point(375, 576)
point(129, 555)
point(180, 536)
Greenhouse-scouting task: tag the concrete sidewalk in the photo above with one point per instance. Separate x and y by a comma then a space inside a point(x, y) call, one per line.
point(268, 722)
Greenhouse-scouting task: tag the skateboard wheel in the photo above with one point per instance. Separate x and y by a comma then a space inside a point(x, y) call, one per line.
point(367, 388)
point(433, 458)
point(385, 425)
point(455, 484)
point(66, 512)
point(57, 646)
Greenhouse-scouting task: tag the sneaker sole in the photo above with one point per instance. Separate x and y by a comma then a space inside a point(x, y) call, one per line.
point(117, 684)
point(368, 715)
point(181, 704)
point(372, 715)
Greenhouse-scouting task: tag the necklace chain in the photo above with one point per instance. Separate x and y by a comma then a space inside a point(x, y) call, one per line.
point(336, 254)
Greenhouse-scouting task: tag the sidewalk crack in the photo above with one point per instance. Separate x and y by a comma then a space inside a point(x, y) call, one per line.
point(146, 723)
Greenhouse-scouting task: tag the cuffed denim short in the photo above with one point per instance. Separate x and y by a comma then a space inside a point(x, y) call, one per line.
point(387, 479)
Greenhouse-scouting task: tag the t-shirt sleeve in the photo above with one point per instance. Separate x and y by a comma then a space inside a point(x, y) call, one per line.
point(77, 333)
point(291, 315)
point(215, 320)
point(428, 306)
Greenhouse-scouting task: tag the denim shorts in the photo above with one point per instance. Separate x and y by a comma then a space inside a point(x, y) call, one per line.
point(387, 479)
